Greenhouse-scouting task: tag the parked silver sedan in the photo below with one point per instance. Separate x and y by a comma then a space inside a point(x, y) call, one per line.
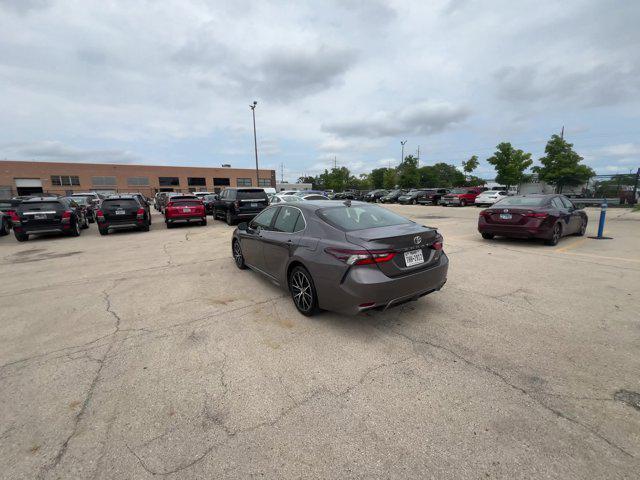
point(346, 256)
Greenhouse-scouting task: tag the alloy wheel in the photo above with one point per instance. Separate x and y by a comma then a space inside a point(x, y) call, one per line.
point(301, 291)
point(237, 255)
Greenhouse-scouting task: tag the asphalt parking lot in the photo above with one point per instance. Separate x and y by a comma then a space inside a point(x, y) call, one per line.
point(139, 355)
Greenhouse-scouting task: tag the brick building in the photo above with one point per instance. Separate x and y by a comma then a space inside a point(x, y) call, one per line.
point(26, 177)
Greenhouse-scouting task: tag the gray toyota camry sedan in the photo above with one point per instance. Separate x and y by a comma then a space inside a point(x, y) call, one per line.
point(347, 257)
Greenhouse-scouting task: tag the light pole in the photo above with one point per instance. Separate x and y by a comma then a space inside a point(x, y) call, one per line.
point(402, 142)
point(255, 140)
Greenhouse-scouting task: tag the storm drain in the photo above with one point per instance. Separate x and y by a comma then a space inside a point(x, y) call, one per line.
point(628, 397)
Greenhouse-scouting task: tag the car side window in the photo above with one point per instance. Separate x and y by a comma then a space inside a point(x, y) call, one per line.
point(286, 220)
point(263, 219)
point(557, 203)
point(567, 203)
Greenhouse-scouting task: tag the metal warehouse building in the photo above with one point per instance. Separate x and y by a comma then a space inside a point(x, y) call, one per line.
point(26, 177)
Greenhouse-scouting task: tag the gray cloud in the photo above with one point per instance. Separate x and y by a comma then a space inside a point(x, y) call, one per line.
point(24, 6)
point(604, 84)
point(53, 151)
point(421, 119)
point(282, 73)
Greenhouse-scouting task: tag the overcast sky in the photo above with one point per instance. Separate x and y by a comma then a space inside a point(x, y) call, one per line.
point(170, 82)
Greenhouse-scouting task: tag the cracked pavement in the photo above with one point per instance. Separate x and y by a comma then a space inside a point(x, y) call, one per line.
point(146, 355)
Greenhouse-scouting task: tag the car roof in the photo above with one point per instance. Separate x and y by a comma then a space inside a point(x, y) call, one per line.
point(120, 197)
point(41, 199)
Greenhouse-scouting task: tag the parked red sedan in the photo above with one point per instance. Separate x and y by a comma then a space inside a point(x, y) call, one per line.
point(548, 217)
point(184, 209)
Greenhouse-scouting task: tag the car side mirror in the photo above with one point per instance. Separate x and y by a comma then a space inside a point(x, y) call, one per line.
point(243, 226)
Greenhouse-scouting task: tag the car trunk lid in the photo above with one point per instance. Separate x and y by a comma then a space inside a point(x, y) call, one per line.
point(411, 239)
point(120, 210)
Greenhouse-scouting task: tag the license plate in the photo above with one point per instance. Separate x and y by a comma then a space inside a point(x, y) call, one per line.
point(505, 216)
point(120, 212)
point(186, 210)
point(414, 257)
point(254, 205)
point(40, 216)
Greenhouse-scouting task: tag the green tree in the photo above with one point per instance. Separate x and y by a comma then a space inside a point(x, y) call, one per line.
point(407, 174)
point(389, 180)
point(376, 177)
point(470, 165)
point(561, 165)
point(308, 179)
point(510, 164)
point(440, 175)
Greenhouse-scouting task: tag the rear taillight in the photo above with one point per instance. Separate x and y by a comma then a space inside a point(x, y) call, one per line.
point(14, 217)
point(140, 214)
point(66, 216)
point(485, 213)
point(360, 257)
point(535, 215)
point(437, 244)
point(100, 216)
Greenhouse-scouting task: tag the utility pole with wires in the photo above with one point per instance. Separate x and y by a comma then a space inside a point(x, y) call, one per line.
point(281, 172)
point(255, 140)
point(402, 143)
point(335, 161)
point(418, 156)
point(562, 133)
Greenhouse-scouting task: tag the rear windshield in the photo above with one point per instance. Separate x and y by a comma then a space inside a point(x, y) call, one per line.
point(184, 203)
point(360, 217)
point(249, 194)
point(79, 200)
point(120, 203)
point(521, 201)
point(39, 206)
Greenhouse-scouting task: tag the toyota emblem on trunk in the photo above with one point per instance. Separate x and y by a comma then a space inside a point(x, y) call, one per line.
point(417, 240)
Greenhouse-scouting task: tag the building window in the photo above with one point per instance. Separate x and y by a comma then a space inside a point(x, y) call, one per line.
point(244, 182)
point(169, 181)
point(60, 180)
point(100, 181)
point(138, 181)
point(196, 182)
point(264, 182)
point(221, 182)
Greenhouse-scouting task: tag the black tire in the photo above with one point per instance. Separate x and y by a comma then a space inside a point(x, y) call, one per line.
point(238, 258)
point(169, 224)
point(583, 228)
point(21, 237)
point(85, 224)
point(92, 218)
point(103, 231)
point(204, 222)
point(556, 235)
point(144, 227)
point(76, 229)
point(414, 201)
point(303, 291)
point(488, 236)
point(463, 203)
point(4, 228)
point(229, 218)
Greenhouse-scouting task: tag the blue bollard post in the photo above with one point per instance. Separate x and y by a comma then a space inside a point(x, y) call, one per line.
point(603, 214)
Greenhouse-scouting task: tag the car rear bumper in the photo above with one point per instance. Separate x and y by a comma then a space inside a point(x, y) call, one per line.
point(516, 231)
point(369, 288)
point(33, 230)
point(189, 218)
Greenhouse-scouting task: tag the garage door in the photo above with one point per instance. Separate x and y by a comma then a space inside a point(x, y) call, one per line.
point(29, 182)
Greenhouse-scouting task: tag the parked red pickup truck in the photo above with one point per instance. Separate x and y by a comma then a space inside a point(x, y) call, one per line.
point(462, 196)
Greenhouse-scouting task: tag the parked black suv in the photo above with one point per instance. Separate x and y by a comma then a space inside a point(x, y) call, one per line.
point(413, 196)
point(123, 212)
point(235, 203)
point(37, 215)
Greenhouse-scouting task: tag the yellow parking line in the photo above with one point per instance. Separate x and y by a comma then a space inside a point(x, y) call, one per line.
point(571, 245)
